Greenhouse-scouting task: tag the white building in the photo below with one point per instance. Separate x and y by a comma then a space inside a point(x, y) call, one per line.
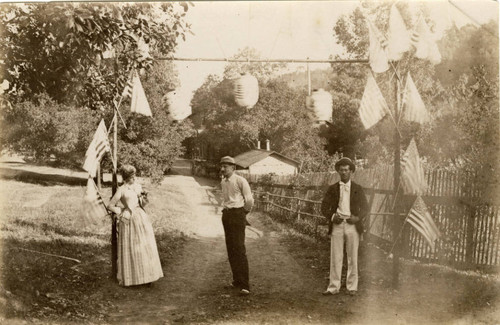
point(260, 161)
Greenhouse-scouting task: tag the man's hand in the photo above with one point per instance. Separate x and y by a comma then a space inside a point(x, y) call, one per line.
point(336, 219)
point(352, 220)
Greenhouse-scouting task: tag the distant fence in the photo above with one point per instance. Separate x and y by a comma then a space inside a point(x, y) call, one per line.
point(470, 227)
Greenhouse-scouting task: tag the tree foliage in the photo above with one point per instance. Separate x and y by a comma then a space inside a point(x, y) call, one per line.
point(65, 64)
point(58, 48)
point(280, 116)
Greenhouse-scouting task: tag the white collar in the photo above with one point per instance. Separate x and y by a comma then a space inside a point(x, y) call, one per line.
point(348, 183)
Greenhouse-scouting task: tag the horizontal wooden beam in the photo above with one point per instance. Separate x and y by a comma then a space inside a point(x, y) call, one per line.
point(363, 61)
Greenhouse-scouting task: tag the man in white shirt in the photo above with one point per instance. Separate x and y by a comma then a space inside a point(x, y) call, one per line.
point(237, 201)
point(345, 206)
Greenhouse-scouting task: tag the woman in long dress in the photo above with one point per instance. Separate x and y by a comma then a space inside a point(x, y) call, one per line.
point(138, 259)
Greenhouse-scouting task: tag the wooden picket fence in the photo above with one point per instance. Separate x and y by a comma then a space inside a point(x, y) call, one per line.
point(470, 227)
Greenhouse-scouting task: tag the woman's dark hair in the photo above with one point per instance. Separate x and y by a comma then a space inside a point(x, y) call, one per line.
point(127, 171)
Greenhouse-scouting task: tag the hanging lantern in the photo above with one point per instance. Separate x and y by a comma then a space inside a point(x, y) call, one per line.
point(246, 91)
point(177, 109)
point(320, 103)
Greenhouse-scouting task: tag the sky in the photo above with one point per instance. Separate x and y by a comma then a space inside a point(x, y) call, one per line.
point(285, 30)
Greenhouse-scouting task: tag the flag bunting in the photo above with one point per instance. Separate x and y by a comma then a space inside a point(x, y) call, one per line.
point(96, 150)
point(413, 105)
point(93, 207)
point(399, 39)
point(373, 106)
point(412, 172)
point(420, 218)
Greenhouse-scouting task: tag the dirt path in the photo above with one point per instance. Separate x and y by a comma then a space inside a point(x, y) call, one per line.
point(193, 287)
point(286, 278)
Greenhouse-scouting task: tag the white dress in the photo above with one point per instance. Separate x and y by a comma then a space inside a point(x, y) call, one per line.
point(138, 259)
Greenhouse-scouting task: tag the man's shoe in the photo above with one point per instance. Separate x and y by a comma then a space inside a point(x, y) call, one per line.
point(244, 292)
point(329, 293)
point(352, 292)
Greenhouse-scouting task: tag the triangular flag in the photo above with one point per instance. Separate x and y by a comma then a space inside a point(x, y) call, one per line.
point(413, 105)
point(412, 172)
point(373, 106)
point(420, 218)
point(96, 150)
point(399, 40)
point(93, 208)
point(425, 43)
point(139, 103)
point(377, 55)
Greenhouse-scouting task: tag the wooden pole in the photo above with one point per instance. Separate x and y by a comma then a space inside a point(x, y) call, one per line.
point(114, 188)
point(114, 237)
point(308, 79)
point(364, 61)
point(397, 174)
point(99, 176)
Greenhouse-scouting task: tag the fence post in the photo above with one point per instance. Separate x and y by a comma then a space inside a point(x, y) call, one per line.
point(469, 252)
point(298, 209)
point(267, 201)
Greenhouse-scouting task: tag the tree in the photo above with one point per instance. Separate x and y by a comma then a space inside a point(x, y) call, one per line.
point(57, 48)
point(347, 134)
point(279, 116)
point(152, 144)
point(261, 70)
point(65, 64)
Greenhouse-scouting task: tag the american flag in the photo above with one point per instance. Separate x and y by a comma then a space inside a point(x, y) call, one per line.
point(413, 105)
point(420, 218)
point(96, 150)
point(373, 106)
point(127, 91)
point(399, 39)
point(93, 208)
point(377, 53)
point(425, 42)
point(412, 172)
point(138, 101)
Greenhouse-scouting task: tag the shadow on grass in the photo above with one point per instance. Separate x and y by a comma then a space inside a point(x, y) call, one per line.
point(56, 229)
point(40, 178)
point(38, 287)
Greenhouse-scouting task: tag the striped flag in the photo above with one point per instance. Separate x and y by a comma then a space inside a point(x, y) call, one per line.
point(93, 208)
point(138, 101)
point(399, 39)
point(127, 91)
point(412, 172)
point(420, 218)
point(96, 150)
point(373, 106)
point(425, 43)
point(377, 54)
point(413, 105)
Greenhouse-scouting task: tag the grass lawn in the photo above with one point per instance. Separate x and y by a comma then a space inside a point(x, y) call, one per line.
point(46, 219)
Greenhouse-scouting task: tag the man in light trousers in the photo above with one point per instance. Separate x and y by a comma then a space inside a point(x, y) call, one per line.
point(346, 207)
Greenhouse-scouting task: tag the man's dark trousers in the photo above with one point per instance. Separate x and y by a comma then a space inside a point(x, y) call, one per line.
point(234, 222)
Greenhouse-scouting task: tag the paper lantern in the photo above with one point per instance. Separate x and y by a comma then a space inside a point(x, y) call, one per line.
point(246, 91)
point(178, 108)
point(320, 103)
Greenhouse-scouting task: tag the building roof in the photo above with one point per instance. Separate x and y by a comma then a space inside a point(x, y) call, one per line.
point(249, 158)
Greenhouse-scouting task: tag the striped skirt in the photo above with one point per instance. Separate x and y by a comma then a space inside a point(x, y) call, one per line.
point(138, 259)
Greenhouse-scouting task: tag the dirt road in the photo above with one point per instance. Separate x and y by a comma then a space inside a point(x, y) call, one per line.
point(287, 277)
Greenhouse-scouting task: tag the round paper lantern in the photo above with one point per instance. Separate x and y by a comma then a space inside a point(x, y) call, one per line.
point(320, 103)
point(178, 109)
point(246, 91)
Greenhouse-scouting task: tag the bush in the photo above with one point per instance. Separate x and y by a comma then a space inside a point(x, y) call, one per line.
point(41, 128)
